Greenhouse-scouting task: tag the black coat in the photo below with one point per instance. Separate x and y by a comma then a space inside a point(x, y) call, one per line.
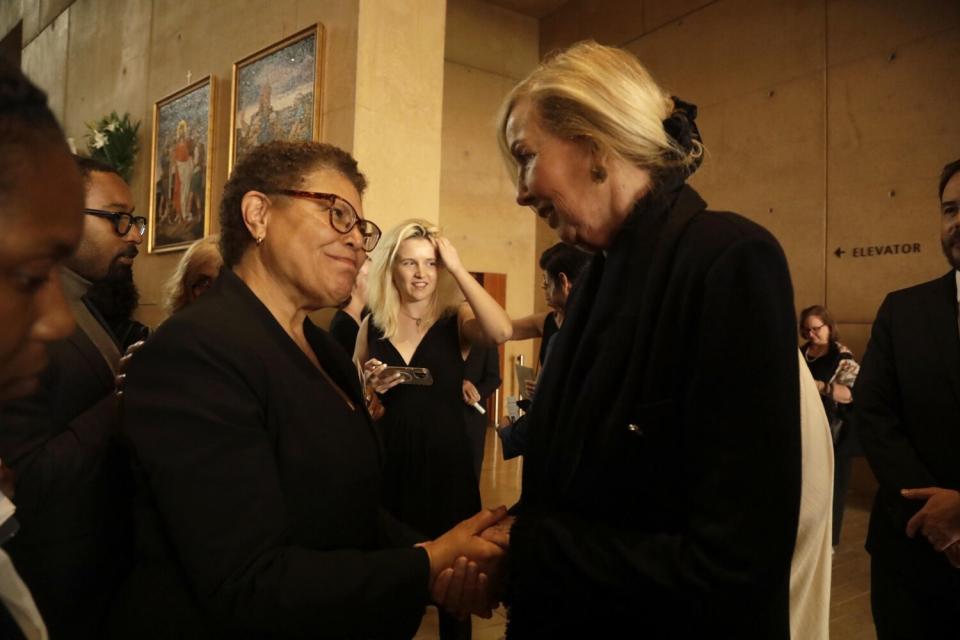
point(661, 486)
point(908, 418)
point(482, 368)
point(259, 512)
point(73, 489)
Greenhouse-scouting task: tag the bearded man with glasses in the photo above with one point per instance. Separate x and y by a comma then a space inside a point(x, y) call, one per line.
point(73, 483)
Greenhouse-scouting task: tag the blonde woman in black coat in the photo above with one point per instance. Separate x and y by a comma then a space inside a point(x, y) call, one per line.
point(661, 484)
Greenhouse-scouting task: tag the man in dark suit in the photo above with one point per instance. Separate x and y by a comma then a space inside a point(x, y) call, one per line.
point(72, 478)
point(908, 412)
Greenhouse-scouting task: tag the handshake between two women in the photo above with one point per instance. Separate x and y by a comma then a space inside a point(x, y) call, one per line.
point(466, 564)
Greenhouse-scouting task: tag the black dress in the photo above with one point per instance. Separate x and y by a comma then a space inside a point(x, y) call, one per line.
point(428, 475)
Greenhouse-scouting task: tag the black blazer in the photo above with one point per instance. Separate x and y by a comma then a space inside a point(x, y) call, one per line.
point(259, 510)
point(482, 368)
point(661, 484)
point(73, 489)
point(908, 415)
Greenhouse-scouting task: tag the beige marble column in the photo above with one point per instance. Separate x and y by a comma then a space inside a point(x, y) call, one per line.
point(399, 107)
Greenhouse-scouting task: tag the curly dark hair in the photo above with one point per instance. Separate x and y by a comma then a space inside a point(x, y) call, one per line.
point(26, 122)
point(271, 167)
point(88, 165)
point(565, 259)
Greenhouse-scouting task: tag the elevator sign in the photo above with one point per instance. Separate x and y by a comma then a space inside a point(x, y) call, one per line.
point(879, 250)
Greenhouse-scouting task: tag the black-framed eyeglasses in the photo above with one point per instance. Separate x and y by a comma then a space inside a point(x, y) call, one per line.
point(810, 330)
point(343, 217)
point(122, 222)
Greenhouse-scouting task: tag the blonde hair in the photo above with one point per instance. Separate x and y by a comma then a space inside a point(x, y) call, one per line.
point(605, 95)
point(176, 289)
point(382, 295)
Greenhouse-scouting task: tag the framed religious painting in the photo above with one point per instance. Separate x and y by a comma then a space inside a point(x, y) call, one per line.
point(276, 93)
point(180, 167)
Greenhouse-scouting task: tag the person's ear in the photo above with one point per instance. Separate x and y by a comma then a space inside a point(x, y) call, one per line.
point(255, 208)
point(565, 284)
point(598, 161)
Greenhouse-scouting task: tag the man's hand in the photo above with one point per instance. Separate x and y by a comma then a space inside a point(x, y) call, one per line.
point(123, 364)
point(939, 519)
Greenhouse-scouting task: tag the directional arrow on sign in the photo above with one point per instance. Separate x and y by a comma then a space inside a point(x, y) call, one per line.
point(839, 252)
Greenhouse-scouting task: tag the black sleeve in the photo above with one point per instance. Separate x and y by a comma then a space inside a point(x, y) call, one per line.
point(879, 411)
point(195, 414)
point(740, 460)
point(513, 438)
point(51, 452)
point(344, 331)
point(488, 379)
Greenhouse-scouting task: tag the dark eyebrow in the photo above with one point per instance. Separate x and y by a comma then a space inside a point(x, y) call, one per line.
point(122, 206)
point(949, 202)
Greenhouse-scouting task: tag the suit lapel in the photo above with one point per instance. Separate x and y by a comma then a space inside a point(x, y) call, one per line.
point(96, 360)
point(942, 324)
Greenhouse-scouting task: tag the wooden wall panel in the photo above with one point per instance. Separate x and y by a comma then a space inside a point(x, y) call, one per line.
point(892, 125)
point(11, 14)
point(735, 48)
point(846, 125)
point(45, 62)
point(860, 28)
point(477, 196)
point(613, 22)
point(657, 13)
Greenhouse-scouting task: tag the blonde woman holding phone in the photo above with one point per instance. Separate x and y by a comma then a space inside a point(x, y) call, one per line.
point(418, 319)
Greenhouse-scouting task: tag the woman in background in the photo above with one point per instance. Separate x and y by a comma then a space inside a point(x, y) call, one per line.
point(835, 372)
point(195, 273)
point(416, 319)
point(346, 321)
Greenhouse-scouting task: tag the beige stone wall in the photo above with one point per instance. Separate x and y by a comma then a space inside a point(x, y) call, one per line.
point(826, 121)
point(488, 49)
point(399, 107)
point(95, 56)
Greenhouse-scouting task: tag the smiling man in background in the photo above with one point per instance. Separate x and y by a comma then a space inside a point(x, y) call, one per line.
point(72, 478)
point(908, 411)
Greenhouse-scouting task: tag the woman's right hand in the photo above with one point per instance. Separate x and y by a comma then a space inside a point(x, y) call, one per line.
point(373, 376)
point(464, 566)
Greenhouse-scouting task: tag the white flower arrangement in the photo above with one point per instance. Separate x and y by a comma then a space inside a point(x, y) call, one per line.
point(114, 140)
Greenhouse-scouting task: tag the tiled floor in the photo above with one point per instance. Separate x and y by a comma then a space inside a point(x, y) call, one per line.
point(850, 597)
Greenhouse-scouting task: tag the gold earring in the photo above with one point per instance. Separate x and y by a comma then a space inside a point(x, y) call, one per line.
point(599, 174)
point(259, 240)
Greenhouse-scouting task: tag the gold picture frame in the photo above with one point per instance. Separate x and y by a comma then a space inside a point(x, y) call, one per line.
point(275, 90)
point(181, 167)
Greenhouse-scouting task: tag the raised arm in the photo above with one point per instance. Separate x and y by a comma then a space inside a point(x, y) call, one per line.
point(482, 320)
point(530, 326)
